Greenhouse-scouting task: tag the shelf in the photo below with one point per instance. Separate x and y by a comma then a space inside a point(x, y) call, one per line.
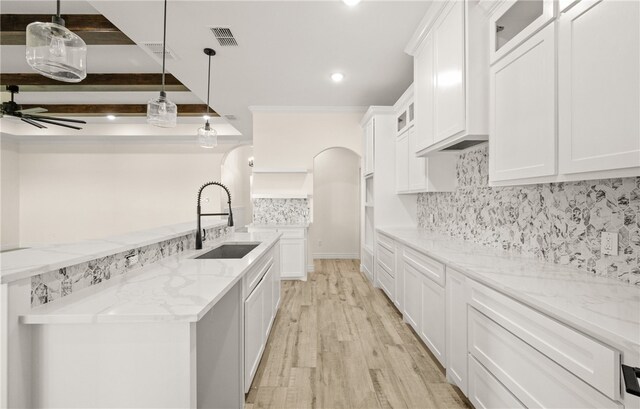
point(368, 175)
point(368, 205)
point(280, 170)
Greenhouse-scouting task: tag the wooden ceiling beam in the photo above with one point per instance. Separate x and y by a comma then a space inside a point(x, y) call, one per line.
point(184, 110)
point(33, 82)
point(94, 29)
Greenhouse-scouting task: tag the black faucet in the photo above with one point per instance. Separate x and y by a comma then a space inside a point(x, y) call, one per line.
point(230, 214)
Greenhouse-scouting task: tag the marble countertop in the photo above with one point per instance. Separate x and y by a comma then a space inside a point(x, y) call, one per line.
point(602, 307)
point(177, 288)
point(19, 264)
point(275, 226)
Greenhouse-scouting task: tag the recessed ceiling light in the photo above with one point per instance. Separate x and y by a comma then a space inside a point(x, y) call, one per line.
point(337, 76)
point(111, 117)
point(351, 3)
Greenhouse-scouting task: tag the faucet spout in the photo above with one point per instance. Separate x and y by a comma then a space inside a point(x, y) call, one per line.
point(200, 214)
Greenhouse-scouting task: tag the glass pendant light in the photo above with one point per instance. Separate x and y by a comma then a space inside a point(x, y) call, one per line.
point(207, 136)
point(160, 111)
point(55, 51)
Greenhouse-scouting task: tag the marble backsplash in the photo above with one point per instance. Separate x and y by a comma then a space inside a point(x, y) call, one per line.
point(53, 285)
point(557, 222)
point(281, 211)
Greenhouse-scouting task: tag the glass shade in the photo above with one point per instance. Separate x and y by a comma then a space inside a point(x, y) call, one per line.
point(162, 112)
point(207, 137)
point(56, 52)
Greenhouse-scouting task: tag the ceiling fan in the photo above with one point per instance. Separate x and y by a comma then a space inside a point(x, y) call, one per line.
point(31, 115)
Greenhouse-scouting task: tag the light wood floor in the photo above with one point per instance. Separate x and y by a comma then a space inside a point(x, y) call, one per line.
point(337, 342)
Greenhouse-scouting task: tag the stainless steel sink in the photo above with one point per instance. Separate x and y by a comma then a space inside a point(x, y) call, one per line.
point(229, 251)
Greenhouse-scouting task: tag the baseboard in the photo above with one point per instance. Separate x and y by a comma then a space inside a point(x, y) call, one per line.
point(339, 256)
point(310, 268)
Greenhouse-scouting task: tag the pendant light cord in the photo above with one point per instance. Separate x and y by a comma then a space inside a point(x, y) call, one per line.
point(58, 8)
point(164, 43)
point(209, 85)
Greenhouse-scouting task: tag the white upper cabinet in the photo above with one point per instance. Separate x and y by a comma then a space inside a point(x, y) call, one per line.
point(515, 21)
point(424, 88)
point(448, 44)
point(402, 163)
point(599, 86)
point(369, 158)
point(451, 76)
point(523, 111)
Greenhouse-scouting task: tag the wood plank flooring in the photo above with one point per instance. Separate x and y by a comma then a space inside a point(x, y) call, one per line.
point(337, 342)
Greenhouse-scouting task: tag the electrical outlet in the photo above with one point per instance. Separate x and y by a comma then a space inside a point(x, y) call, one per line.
point(609, 243)
point(319, 243)
point(432, 219)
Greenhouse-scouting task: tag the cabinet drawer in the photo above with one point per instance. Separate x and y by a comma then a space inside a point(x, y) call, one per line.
point(387, 259)
point(533, 378)
point(431, 268)
point(596, 364)
point(386, 281)
point(255, 275)
point(386, 242)
point(485, 392)
point(291, 233)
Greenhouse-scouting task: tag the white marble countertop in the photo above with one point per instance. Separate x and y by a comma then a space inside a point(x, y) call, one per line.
point(602, 307)
point(19, 264)
point(177, 288)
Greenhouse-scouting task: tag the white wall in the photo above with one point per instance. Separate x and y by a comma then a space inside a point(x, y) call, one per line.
point(72, 192)
point(335, 232)
point(236, 175)
point(9, 193)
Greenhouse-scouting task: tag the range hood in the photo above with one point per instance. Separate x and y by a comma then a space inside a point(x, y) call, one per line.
point(453, 144)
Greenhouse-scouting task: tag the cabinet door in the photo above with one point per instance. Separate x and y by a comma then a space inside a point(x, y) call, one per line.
point(402, 166)
point(456, 329)
point(432, 327)
point(276, 280)
point(369, 148)
point(423, 93)
point(399, 279)
point(253, 333)
point(412, 296)
point(292, 253)
point(417, 175)
point(449, 97)
point(268, 310)
point(599, 86)
point(523, 111)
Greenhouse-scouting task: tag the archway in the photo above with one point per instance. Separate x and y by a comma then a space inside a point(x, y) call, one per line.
point(236, 175)
point(335, 232)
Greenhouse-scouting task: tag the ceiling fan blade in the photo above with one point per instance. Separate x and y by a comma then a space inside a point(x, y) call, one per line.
point(77, 121)
point(29, 121)
point(32, 111)
point(49, 121)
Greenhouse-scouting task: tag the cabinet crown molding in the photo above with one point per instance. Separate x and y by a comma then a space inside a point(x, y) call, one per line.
point(376, 110)
point(425, 26)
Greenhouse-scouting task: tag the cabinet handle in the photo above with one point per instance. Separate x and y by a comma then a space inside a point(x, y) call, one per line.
point(631, 376)
point(499, 28)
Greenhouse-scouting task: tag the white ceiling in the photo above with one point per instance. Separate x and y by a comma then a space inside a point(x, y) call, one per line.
point(286, 52)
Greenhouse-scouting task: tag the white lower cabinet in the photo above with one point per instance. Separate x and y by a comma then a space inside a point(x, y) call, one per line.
point(293, 250)
point(432, 328)
point(399, 278)
point(260, 308)
point(412, 296)
point(486, 392)
point(532, 377)
point(456, 329)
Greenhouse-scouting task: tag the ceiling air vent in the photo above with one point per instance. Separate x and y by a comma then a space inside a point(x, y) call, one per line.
point(156, 50)
point(230, 117)
point(224, 36)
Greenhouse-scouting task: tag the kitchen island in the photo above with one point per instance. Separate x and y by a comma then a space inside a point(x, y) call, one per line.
point(169, 334)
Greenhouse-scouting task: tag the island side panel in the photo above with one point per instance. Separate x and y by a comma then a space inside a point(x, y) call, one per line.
point(220, 353)
point(113, 365)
